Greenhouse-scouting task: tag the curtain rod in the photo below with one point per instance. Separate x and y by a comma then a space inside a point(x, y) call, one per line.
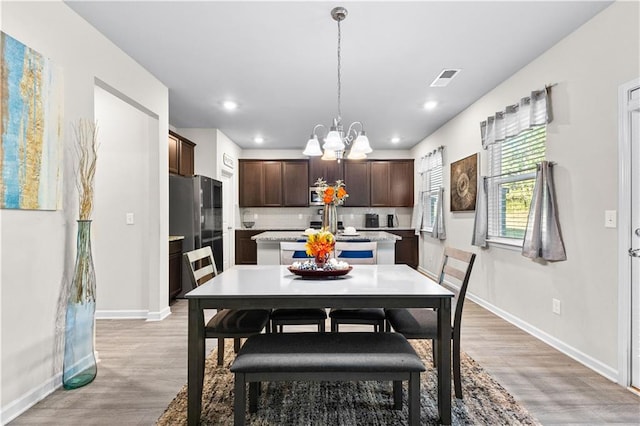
point(551, 163)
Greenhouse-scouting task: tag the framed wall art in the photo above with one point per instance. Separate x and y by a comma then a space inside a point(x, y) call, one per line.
point(31, 93)
point(464, 184)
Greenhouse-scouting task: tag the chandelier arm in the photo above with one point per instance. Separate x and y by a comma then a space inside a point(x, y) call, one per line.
point(317, 126)
point(349, 136)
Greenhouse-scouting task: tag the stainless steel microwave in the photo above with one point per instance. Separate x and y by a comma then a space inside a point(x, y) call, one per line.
point(314, 198)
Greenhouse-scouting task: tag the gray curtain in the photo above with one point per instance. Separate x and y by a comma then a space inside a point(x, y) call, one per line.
point(531, 111)
point(542, 238)
point(438, 230)
point(481, 224)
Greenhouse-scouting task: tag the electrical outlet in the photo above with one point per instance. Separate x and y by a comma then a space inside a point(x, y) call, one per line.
point(255, 216)
point(556, 306)
point(300, 216)
point(129, 218)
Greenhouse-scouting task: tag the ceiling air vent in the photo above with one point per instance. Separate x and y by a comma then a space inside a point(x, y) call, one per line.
point(445, 77)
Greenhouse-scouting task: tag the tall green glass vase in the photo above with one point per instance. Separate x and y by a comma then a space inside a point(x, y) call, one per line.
point(80, 366)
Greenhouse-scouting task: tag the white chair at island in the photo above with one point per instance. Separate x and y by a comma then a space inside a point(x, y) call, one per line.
point(362, 253)
point(291, 252)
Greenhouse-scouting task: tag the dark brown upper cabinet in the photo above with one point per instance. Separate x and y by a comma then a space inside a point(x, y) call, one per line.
point(391, 183)
point(329, 170)
point(273, 183)
point(181, 155)
point(357, 181)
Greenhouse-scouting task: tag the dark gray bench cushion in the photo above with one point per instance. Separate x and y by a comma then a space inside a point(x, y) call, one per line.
point(327, 352)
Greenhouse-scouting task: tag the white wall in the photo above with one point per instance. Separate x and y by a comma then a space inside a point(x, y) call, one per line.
point(587, 66)
point(204, 162)
point(38, 247)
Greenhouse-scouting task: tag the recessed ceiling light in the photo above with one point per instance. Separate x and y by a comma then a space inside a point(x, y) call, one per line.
point(230, 105)
point(430, 105)
point(395, 139)
point(258, 139)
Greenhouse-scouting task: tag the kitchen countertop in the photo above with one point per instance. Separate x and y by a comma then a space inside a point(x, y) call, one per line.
point(176, 237)
point(296, 235)
point(272, 228)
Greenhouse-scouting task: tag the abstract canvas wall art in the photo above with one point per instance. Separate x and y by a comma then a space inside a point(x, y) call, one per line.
point(31, 92)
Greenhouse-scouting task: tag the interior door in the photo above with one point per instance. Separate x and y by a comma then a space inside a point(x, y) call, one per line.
point(635, 237)
point(227, 218)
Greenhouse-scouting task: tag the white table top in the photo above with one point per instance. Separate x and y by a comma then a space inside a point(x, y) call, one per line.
point(366, 285)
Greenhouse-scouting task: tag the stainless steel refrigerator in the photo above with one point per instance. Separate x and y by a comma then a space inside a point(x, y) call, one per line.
point(195, 212)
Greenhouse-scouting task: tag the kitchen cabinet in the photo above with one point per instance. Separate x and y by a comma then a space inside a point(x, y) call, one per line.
point(295, 190)
point(273, 183)
point(391, 183)
point(181, 155)
point(175, 268)
point(246, 248)
point(406, 248)
point(330, 171)
point(358, 181)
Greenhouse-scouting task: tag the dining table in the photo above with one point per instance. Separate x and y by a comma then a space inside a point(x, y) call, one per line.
point(276, 286)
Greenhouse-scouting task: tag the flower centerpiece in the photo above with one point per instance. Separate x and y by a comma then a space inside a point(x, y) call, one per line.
point(320, 245)
point(331, 195)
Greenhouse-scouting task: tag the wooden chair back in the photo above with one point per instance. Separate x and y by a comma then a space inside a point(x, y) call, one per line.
point(357, 253)
point(201, 265)
point(456, 270)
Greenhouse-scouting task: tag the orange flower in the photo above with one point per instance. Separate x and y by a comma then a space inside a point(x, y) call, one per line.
point(320, 244)
point(331, 194)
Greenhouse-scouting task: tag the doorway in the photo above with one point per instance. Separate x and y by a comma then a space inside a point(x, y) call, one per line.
point(629, 234)
point(227, 218)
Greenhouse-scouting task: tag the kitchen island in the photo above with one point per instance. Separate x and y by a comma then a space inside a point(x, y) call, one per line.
point(269, 244)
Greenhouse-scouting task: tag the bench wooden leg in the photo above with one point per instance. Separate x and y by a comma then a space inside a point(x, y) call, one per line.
point(414, 399)
point(220, 351)
point(253, 396)
point(397, 395)
point(321, 326)
point(239, 402)
point(236, 344)
point(334, 325)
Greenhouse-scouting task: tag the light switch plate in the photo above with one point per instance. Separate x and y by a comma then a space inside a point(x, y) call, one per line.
point(610, 218)
point(129, 218)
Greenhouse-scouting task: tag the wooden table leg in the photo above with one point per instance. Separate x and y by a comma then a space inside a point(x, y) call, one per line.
point(444, 361)
point(195, 362)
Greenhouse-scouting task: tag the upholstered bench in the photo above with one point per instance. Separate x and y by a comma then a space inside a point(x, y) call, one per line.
point(326, 357)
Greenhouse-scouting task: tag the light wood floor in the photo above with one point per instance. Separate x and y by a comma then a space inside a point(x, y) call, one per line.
point(143, 365)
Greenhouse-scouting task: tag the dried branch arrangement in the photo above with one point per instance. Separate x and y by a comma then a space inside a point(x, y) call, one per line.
point(86, 149)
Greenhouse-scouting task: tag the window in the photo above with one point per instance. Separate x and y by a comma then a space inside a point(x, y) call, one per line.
point(512, 171)
point(431, 184)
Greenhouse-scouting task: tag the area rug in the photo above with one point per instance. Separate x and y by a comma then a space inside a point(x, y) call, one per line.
point(485, 402)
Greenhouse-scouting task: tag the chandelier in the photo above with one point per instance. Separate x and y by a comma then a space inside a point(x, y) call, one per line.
point(337, 139)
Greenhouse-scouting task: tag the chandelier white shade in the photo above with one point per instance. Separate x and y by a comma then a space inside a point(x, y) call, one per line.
point(336, 140)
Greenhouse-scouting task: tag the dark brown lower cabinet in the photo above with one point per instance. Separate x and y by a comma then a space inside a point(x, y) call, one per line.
point(407, 248)
point(246, 248)
point(175, 268)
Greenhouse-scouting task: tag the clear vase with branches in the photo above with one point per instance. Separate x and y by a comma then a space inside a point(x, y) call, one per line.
point(80, 366)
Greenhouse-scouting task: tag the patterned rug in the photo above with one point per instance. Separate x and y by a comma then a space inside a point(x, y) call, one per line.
point(347, 403)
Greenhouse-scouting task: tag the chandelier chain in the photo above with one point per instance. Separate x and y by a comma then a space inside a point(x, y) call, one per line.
point(339, 74)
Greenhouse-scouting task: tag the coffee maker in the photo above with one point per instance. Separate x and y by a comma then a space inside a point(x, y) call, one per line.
point(392, 221)
point(371, 220)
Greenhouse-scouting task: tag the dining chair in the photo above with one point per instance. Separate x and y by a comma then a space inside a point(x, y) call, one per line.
point(422, 323)
point(290, 252)
point(361, 252)
point(226, 323)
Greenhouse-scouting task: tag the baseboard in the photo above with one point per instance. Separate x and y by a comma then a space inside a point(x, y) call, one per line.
point(121, 314)
point(159, 316)
point(570, 351)
point(29, 399)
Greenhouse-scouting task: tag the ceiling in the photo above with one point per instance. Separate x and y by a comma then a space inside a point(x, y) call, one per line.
point(278, 60)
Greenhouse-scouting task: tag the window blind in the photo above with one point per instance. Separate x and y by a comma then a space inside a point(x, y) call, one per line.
point(431, 183)
point(512, 169)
